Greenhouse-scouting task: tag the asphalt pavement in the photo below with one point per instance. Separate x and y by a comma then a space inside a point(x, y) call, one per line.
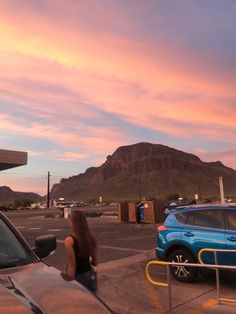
point(123, 252)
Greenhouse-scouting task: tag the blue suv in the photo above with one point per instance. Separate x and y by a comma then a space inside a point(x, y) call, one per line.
point(189, 229)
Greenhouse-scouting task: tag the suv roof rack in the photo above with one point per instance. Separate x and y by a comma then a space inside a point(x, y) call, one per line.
point(232, 205)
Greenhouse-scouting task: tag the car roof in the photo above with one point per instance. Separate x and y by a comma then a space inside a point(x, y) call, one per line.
point(203, 207)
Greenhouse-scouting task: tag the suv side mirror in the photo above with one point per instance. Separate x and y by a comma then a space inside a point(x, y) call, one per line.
point(44, 245)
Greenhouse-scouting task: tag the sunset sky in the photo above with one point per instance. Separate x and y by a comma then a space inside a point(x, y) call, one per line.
point(79, 78)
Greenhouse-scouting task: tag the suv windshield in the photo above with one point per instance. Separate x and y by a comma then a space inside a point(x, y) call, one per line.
point(12, 252)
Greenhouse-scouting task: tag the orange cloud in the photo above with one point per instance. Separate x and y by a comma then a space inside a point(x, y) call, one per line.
point(140, 82)
point(95, 140)
point(83, 89)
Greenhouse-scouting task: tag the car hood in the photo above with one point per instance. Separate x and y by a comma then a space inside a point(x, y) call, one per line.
point(40, 289)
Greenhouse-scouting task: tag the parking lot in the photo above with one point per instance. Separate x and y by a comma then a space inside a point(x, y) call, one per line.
point(124, 250)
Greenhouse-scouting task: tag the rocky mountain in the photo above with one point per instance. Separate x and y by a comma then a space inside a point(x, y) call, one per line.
point(150, 171)
point(7, 195)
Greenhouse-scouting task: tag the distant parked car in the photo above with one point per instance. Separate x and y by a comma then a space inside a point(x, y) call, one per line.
point(177, 203)
point(186, 231)
point(27, 285)
point(3, 208)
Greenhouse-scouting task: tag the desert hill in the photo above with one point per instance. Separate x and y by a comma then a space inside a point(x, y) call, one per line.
point(150, 171)
point(8, 195)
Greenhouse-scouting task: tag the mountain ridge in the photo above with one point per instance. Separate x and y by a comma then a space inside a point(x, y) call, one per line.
point(147, 170)
point(8, 195)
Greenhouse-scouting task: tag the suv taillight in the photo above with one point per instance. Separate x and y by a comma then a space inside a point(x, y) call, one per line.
point(161, 228)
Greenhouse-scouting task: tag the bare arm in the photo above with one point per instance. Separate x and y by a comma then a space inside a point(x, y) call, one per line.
point(93, 259)
point(71, 260)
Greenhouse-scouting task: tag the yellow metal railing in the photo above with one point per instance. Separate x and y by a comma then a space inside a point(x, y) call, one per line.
point(215, 251)
point(202, 251)
point(149, 278)
point(201, 265)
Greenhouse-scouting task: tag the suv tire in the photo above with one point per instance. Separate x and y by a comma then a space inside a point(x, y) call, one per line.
point(182, 273)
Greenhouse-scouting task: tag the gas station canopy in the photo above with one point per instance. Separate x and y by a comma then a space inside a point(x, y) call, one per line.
point(11, 158)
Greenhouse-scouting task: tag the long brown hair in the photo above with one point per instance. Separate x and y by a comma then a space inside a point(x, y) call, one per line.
point(86, 242)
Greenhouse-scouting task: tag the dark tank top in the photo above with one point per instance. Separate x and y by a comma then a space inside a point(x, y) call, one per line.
point(82, 263)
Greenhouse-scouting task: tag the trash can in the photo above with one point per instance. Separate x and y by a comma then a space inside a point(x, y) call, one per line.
point(154, 211)
point(140, 212)
point(136, 212)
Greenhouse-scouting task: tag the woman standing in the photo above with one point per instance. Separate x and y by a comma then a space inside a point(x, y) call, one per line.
point(81, 252)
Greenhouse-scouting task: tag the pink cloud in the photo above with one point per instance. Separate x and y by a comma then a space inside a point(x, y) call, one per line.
point(56, 155)
point(144, 84)
point(61, 70)
point(96, 139)
point(67, 156)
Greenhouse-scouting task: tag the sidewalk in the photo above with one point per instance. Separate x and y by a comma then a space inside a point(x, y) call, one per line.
point(123, 286)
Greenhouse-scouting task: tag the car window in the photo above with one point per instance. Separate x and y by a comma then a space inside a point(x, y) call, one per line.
point(189, 220)
point(12, 252)
point(181, 217)
point(209, 219)
point(185, 218)
point(232, 220)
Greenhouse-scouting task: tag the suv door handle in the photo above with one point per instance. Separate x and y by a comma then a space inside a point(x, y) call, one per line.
point(190, 234)
point(233, 239)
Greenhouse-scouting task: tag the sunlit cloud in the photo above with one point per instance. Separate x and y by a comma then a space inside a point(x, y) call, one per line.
point(94, 139)
point(81, 77)
point(34, 153)
point(58, 155)
point(110, 81)
point(67, 156)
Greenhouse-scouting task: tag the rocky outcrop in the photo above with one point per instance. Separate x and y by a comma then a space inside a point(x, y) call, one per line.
point(147, 170)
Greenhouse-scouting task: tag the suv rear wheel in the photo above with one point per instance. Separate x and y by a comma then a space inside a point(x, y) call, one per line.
point(182, 273)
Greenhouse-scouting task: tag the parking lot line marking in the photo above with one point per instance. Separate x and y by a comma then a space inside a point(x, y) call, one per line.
point(34, 228)
point(115, 248)
point(20, 227)
point(121, 248)
point(54, 230)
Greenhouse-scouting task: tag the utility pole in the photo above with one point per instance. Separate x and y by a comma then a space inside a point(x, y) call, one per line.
point(48, 190)
point(199, 192)
point(222, 196)
point(140, 187)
